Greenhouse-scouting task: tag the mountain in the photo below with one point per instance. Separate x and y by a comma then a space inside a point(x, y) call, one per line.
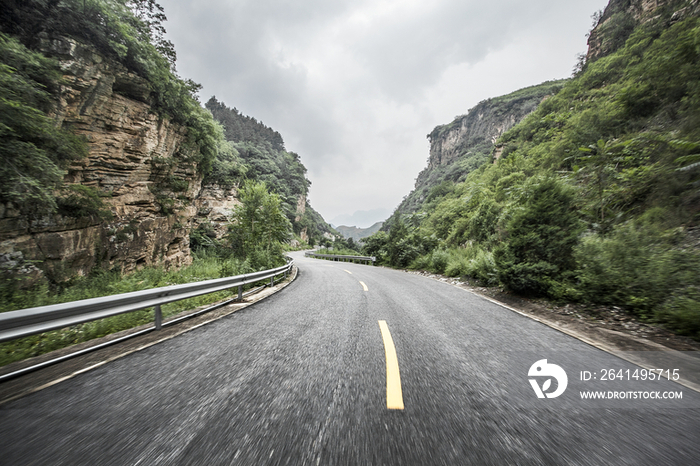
point(462, 146)
point(593, 197)
point(261, 150)
point(358, 233)
point(109, 161)
point(362, 218)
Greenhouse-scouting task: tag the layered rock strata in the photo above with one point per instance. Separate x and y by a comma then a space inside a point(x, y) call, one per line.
point(136, 162)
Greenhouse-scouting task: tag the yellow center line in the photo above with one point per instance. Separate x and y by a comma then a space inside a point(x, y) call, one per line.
point(348, 271)
point(394, 397)
point(364, 287)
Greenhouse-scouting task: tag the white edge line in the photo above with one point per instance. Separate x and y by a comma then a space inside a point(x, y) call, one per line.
point(600, 346)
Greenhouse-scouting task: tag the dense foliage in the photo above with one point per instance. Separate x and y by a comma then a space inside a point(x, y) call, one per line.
point(261, 150)
point(33, 152)
point(595, 197)
point(259, 227)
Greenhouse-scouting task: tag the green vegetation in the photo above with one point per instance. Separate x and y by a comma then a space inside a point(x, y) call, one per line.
point(206, 265)
point(259, 227)
point(595, 197)
point(261, 150)
point(33, 152)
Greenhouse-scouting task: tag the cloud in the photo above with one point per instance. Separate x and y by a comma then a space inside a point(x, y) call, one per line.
point(354, 86)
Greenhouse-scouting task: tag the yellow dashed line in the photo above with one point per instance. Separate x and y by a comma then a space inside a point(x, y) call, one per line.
point(364, 287)
point(394, 397)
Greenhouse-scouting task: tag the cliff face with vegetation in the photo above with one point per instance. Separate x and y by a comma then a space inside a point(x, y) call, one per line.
point(135, 163)
point(615, 24)
point(468, 141)
point(108, 160)
point(594, 196)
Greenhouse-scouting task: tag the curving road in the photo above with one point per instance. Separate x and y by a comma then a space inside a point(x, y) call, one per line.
point(301, 378)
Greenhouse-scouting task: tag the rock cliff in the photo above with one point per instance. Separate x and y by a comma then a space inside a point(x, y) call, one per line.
point(620, 17)
point(137, 163)
point(481, 126)
point(468, 141)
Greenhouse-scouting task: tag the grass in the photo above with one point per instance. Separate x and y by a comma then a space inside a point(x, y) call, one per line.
point(205, 266)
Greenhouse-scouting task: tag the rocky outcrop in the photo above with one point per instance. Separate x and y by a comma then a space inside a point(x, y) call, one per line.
point(215, 205)
point(469, 141)
point(136, 162)
point(481, 125)
point(301, 208)
point(476, 132)
point(620, 17)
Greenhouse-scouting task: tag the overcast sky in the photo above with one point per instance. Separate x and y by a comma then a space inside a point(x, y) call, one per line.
point(354, 86)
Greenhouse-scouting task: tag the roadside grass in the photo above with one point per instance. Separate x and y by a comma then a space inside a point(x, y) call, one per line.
point(205, 266)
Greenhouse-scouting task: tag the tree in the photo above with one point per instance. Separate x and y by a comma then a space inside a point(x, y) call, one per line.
point(598, 163)
point(258, 223)
point(153, 16)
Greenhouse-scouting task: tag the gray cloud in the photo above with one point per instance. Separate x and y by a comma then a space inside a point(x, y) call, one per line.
point(354, 86)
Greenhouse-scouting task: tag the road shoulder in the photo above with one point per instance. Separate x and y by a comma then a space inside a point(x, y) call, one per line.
point(608, 329)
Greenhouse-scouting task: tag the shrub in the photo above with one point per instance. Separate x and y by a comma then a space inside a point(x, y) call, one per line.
point(637, 266)
point(681, 312)
point(83, 201)
point(541, 233)
point(439, 260)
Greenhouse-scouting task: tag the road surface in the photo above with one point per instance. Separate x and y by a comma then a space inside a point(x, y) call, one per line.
point(302, 378)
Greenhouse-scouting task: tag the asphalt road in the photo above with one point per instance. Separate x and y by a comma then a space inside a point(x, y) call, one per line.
point(301, 378)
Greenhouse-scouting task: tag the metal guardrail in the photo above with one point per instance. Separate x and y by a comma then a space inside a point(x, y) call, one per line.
point(25, 322)
point(343, 258)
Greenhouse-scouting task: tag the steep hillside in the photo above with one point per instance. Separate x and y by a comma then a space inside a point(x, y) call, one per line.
point(262, 151)
point(109, 162)
point(617, 22)
point(115, 190)
point(468, 142)
point(595, 196)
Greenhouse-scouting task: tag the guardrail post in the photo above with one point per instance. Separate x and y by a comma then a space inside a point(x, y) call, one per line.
point(158, 317)
point(272, 281)
point(24, 322)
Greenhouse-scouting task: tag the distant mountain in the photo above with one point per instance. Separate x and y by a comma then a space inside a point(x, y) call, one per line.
point(358, 233)
point(362, 218)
